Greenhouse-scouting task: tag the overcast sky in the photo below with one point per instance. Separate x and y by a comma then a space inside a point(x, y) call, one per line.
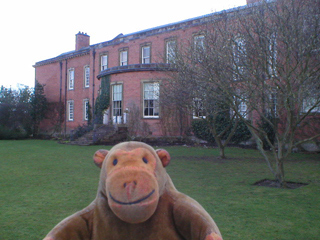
point(35, 30)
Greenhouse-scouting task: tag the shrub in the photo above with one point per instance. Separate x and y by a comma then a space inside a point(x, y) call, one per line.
point(102, 101)
point(268, 129)
point(201, 129)
point(80, 131)
point(6, 133)
point(241, 134)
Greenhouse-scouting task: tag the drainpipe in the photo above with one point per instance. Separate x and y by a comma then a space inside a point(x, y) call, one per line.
point(35, 76)
point(93, 79)
point(65, 99)
point(60, 98)
point(35, 81)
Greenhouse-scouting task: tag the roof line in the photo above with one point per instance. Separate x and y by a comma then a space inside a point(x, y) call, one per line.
point(115, 40)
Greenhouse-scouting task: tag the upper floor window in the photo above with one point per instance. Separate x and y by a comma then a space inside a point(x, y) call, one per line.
point(86, 109)
point(71, 79)
point(70, 110)
point(198, 44)
point(239, 58)
point(124, 58)
point(151, 100)
point(171, 46)
point(145, 54)
point(198, 41)
point(272, 55)
point(86, 76)
point(311, 31)
point(104, 62)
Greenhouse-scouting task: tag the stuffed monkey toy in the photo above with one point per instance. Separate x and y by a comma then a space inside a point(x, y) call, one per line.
point(137, 200)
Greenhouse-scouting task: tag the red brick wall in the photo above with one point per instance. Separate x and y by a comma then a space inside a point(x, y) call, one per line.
point(55, 79)
point(132, 81)
point(49, 74)
point(79, 93)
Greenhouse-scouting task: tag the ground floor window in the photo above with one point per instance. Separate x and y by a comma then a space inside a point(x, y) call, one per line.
point(273, 103)
point(117, 103)
point(243, 109)
point(198, 109)
point(70, 110)
point(85, 109)
point(151, 100)
point(311, 104)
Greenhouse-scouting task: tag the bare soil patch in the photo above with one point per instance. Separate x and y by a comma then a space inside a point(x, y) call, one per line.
point(274, 183)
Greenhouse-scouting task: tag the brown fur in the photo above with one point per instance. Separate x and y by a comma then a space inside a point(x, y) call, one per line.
point(137, 200)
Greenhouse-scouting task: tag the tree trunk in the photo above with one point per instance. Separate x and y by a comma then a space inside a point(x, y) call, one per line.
point(221, 150)
point(220, 144)
point(280, 174)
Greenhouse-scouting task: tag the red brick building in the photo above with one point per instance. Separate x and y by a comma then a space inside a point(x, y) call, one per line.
point(134, 64)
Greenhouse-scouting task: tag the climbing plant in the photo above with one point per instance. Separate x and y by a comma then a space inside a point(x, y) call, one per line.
point(103, 100)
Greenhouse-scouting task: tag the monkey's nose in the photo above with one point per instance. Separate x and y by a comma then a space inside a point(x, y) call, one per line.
point(131, 184)
point(130, 188)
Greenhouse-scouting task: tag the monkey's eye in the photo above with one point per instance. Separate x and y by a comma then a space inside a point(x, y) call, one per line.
point(115, 161)
point(145, 160)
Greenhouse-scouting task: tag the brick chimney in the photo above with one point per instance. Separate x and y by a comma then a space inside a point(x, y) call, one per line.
point(252, 1)
point(82, 40)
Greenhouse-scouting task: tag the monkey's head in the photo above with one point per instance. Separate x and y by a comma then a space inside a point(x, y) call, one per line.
point(132, 179)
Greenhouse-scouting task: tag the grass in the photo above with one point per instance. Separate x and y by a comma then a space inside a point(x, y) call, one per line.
point(43, 182)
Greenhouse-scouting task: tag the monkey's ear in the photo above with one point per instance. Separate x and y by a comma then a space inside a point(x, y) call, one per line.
point(99, 156)
point(164, 157)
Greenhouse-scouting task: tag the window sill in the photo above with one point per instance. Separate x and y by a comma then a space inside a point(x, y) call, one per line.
point(150, 117)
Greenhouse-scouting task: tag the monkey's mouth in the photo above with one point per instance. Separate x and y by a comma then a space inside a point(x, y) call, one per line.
point(134, 202)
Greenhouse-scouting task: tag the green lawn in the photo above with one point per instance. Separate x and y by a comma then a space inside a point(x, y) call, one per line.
point(43, 182)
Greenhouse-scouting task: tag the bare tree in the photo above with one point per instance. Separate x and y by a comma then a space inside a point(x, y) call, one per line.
point(265, 61)
point(193, 91)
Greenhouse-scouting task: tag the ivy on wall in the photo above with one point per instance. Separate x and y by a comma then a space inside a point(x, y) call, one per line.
point(103, 100)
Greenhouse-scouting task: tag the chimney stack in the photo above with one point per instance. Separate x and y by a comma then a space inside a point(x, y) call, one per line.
point(82, 40)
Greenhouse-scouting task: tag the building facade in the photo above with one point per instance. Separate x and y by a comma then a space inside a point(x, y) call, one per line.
point(133, 66)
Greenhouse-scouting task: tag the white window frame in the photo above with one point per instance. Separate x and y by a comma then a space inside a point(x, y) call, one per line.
point(273, 104)
point(241, 104)
point(272, 58)
point(86, 76)
point(309, 103)
point(198, 46)
point(70, 110)
point(151, 92)
point(198, 41)
point(85, 109)
point(104, 62)
point(71, 78)
point(123, 57)
point(171, 47)
point(243, 108)
point(117, 102)
point(146, 54)
point(198, 109)
point(239, 52)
